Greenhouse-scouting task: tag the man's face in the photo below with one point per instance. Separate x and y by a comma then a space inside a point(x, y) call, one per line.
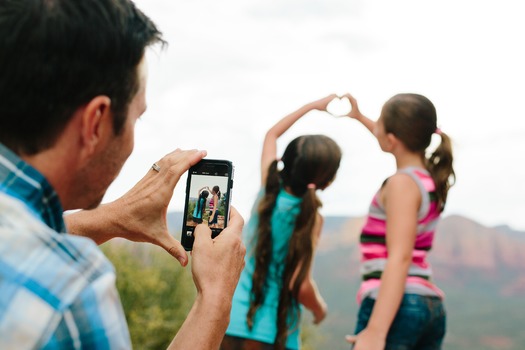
point(105, 167)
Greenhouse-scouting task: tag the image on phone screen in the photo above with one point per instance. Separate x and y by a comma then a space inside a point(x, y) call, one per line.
point(207, 198)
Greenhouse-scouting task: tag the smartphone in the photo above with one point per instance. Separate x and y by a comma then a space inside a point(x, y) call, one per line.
point(208, 195)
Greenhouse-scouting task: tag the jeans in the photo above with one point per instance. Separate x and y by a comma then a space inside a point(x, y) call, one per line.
point(420, 323)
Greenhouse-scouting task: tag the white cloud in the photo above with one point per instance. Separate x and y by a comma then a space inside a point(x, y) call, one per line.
point(234, 68)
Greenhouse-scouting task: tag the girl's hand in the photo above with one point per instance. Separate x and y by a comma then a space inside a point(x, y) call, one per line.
point(322, 103)
point(366, 340)
point(320, 315)
point(354, 113)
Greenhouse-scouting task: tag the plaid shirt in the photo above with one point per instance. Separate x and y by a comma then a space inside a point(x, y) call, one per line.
point(57, 291)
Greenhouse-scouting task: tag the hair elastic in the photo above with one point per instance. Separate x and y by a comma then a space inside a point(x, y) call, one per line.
point(437, 131)
point(280, 164)
point(311, 185)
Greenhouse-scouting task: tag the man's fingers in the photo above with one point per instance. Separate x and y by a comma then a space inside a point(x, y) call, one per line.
point(178, 162)
point(174, 164)
point(201, 233)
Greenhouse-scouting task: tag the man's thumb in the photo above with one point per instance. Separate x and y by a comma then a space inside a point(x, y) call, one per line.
point(172, 246)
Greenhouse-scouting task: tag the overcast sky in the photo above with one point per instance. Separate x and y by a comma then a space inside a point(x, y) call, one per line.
point(234, 68)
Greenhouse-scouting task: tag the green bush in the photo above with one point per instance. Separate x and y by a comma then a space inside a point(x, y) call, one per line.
point(156, 292)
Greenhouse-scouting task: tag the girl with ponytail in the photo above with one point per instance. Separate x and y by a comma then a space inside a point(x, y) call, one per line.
point(400, 307)
point(281, 237)
point(214, 206)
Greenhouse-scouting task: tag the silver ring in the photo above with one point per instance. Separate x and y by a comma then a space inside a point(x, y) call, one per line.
point(155, 167)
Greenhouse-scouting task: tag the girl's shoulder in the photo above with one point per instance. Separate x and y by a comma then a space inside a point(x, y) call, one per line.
point(400, 184)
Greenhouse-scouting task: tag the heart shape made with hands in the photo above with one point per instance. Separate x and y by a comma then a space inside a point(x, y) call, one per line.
point(339, 106)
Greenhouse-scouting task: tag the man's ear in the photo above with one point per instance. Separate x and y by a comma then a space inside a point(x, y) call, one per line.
point(96, 121)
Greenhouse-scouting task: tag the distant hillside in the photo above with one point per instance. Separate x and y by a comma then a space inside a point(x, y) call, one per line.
point(481, 270)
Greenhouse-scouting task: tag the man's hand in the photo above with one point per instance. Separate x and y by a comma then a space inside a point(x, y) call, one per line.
point(140, 214)
point(217, 263)
point(216, 267)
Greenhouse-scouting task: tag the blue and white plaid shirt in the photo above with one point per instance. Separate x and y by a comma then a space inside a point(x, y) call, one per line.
point(57, 291)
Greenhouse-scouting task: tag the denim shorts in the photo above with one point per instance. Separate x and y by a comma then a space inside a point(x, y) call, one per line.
point(420, 323)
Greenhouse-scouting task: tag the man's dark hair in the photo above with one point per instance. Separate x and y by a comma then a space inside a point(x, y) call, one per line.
point(56, 55)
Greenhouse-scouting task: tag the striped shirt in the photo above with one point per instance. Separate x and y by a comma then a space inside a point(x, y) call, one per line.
point(57, 291)
point(373, 247)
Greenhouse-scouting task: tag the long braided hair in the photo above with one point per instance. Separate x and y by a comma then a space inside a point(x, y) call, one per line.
point(308, 159)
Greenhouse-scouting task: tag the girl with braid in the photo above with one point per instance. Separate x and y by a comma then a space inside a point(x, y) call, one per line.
point(400, 306)
point(200, 205)
point(281, 237)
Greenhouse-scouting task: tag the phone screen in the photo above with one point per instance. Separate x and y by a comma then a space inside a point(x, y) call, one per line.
point(208, 194)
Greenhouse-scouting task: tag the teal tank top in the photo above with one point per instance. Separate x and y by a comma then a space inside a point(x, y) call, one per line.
point(265, 320)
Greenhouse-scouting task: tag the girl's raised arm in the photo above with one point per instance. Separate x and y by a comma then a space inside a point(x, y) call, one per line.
point(356, 114)
point(269, 151)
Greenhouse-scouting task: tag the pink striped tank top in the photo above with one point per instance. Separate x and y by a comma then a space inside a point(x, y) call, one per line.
point(373, 242)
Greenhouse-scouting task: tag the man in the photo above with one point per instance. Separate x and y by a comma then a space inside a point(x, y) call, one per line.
point(72, 87)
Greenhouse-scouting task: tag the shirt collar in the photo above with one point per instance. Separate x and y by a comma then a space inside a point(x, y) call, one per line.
point(20, 180)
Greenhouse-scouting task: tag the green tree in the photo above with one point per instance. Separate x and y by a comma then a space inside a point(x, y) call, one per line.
point(156, 292)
